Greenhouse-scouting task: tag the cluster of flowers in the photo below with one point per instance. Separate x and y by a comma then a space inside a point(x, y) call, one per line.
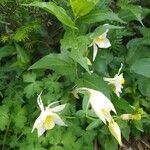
point(100, 104)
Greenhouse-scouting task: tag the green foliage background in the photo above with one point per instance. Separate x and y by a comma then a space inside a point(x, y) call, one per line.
point(44, 47)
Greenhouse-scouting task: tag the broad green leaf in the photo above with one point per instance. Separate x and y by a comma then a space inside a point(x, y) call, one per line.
point(94, 81)
point(110, 143)
point(76, 48)
point(82, 7)
point(122, 104)
point(125, 129)
point(137, 52)
point(100, 15)
point(7, 51)
point(101, 29)
point(139, 125)
point(4, 117)
point(57, 11)
point(94, 124)
point(57, 62)
point(76, 56)
point(103, 58)
point(142, 67)
point(144, 86)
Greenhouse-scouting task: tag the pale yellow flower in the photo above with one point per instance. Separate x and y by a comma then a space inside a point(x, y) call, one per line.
point(117, 82)
point(100, 104)
point(48, 117)
point(126, 116)
point(115, 131)
point(100, 42)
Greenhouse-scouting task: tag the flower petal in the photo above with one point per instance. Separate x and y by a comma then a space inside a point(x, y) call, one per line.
point(95, 49)
point(100, 104)
point(40, 103)
point(40, 131)
point(58, 120)
point(105, 43)
point(38, 123)
point(58, 108)
point(115, 131)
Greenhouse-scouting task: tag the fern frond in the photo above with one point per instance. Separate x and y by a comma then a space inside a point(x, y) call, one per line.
point(24, 32)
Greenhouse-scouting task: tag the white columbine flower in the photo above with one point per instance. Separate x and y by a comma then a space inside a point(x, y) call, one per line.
point(102, 42)
point(117, 82)
point(102, 107)
point(115, 131)
point(48, 117)
point(100, 104)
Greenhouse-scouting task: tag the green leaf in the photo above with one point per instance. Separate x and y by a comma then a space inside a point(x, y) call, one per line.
point(94, 124)
point(4, 117)
point(135, 9)
point(20, 118)
point(7, 51)
point(31, 89)
point(82, 7)
point(29, 77)
point(101, 29)
point(139, 125)
point(142, 67)
point(94, 81)
point(23, 58)
point(103, 58)
point(57, 62)
point(57, 11)
point(144, 86)
point(23, 32)
point(125, 129)
point(76, 48)
point(99, 15)
point(77, 52)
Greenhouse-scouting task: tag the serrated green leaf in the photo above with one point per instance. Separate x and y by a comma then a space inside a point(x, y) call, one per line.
point(99, 15)
point(20, 118)
point(29, 77)
point(82, 7)
point(57, 11)
point(4, 117)
point(31, 89)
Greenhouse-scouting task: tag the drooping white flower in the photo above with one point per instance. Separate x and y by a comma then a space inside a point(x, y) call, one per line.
point(115, 131)
point(102, 42)
point(117, 81)
point(48, 117)
point(100, 104)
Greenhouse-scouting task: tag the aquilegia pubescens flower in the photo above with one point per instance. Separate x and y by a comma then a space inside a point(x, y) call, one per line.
point(48, 117)
point(117, 81)
point(102, 107)
point(101, 41)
